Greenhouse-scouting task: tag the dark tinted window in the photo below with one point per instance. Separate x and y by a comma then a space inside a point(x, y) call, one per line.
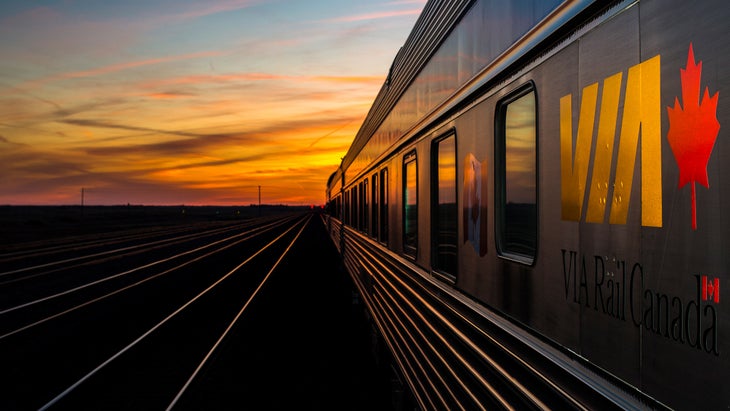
point(444, 219)
point(364, 207)
point(347, 207)
point(353, 206)
point(384, 205)
point(374, 201)
point(410, 204)
point(516, 149)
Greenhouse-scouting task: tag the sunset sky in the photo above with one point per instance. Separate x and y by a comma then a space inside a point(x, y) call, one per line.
point(187, 102)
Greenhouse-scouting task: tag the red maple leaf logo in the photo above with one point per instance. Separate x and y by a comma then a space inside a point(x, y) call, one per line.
point(693, 129)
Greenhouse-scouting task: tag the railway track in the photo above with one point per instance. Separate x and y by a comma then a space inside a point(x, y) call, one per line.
point(130, 322)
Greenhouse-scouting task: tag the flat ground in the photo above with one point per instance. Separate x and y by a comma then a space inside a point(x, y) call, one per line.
point(326, 340)
point(39, 223)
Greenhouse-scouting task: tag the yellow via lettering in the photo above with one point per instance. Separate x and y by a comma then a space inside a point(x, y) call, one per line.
point(641, 118)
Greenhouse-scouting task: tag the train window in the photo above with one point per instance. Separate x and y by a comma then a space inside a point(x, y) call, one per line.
point(444, 211)
point(358, 210)
point(352, 214)
point(364, 208)
point(346, 207)
point(516, 172)
point(410, 204)
point(384, 205)
point(349, 207)
point(353, 207)
point(374, 202)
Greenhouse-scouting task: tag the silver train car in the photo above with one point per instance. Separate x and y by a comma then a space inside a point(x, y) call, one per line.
point(534, 210)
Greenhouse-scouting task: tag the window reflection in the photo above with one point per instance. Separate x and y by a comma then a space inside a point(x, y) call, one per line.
point(364, 208)
point(410, 204)
point(520, 153)
point(348, 207)
point(517, 147)
point(384, 205)
point(445, 218)
point(374, 196)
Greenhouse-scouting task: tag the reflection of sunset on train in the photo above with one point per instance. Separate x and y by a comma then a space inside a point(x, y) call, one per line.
point(194, 102)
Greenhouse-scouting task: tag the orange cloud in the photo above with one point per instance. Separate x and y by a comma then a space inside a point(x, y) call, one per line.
point(253, 77)
point(168, 95)
point(247, 106)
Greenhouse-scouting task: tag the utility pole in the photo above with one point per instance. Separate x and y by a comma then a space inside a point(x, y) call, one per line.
point(82, 201)
point(259, 201)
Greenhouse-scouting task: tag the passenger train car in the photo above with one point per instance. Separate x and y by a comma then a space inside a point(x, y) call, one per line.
point(535, 210)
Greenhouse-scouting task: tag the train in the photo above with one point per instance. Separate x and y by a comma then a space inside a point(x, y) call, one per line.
point(533, 212)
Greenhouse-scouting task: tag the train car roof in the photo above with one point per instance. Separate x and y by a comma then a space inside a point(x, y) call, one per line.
point(433, 26)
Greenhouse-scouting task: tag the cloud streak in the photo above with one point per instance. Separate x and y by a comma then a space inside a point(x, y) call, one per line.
point(103, 124)
point(167, 102)
point(375, 16)
point(198, 142)
point(135, 64)
point(209, 8)
point(113, 68)
point(261, 77)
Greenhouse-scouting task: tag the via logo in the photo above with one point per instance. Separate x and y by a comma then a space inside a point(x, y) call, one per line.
point(641, 118)
point(693, 129)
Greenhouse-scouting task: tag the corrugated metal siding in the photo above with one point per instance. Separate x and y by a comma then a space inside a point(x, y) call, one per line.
point(435, 23)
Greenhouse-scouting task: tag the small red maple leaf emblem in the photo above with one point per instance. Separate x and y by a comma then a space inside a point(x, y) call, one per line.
point(693, 129)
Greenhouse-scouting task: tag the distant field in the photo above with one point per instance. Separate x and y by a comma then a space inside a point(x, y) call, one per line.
point(33, 223)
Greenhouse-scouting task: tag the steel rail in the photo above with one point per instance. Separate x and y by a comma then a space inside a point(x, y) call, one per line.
point(166, 241)
point(251, 234)
point(77, 243)
point(117, 291)
point(235, 319)
point(73, 386)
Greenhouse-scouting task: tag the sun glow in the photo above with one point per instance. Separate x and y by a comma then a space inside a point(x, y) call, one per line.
point(197, 104)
